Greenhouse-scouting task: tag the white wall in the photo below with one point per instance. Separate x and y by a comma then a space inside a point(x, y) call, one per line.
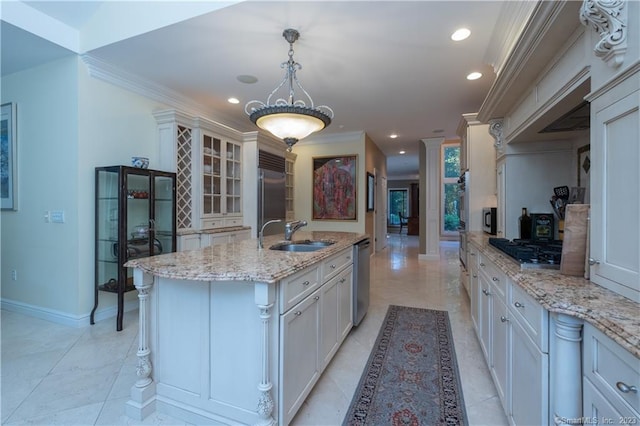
point(68, 123)
point(344, 144)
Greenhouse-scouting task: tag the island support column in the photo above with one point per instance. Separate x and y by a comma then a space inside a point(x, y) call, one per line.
point(265, 299)
point(143, 392)
point(566, 369)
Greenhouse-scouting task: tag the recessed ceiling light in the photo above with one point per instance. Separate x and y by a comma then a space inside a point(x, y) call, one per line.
point(460, 34)
point(247, 79)
point(474, 76)
point(233, 101)
point(402, 152)
point(393, 136)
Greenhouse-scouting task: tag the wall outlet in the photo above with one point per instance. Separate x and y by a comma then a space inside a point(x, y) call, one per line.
point(14, 275)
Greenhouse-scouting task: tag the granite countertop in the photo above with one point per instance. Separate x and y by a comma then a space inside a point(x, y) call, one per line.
point(242, 260)
point(616, 316)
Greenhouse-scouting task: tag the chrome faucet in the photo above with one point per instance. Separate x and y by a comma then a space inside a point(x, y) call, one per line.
point(292, 227)
point(261, 233)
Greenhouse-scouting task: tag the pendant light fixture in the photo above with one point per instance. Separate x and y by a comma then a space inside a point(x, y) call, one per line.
point(289, 118)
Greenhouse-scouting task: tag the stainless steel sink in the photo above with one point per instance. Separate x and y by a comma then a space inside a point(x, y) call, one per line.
point(301, 246)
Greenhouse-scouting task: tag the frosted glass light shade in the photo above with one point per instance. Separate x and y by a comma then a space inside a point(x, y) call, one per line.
point(290, 122)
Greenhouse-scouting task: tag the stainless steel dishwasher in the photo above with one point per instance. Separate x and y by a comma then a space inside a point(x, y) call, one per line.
point(361, 254)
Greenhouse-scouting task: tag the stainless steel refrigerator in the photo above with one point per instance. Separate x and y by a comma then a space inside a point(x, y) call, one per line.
point(271, 200)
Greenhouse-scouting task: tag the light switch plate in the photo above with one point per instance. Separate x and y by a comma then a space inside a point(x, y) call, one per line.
point(57, 216)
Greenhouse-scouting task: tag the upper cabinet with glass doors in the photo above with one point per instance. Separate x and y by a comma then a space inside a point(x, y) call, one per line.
point(207, 159)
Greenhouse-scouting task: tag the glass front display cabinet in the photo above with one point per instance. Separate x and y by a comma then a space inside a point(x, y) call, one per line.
point(135, 215)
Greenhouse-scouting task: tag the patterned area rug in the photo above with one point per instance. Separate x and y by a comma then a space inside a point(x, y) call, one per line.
point(411, 377)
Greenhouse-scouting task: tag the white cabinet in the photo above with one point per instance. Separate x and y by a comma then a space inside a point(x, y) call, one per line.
point(315, 318)
point(207, 159)
point(199, 240)
point(474, 286)
point(615, 188)
point(477, 154)
point(289, 167)
point(611, 380)
point(513, 333)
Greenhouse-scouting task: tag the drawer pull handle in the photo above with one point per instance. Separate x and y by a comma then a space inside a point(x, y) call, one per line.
point(495, 279)
point(472, 254)
point(518, 305)
point(485, 291)
point(297, 313)
point(343, 280)
point(481, 264)
point(316, 298)
point(625, 388)
point(306, 283)
point(333, 266)
point(504, 319)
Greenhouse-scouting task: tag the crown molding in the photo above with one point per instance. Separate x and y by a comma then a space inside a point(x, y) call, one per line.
point(332, 138)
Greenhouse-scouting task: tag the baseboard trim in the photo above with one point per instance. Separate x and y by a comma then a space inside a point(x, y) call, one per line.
point(63, 318)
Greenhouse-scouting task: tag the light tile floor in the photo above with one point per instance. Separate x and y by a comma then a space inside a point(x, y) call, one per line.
point(52, 374)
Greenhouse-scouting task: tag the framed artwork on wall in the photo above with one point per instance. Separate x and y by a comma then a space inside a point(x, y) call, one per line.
point(8, 158)
point(371, 190)
point(335, 188)
point(584, 165)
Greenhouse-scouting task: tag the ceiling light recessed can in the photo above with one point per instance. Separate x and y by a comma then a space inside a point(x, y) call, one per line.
point(474, 75)
point(247, 79)
point(393, 136)
point(460, 34)
point(403, 152)
point(233, 100)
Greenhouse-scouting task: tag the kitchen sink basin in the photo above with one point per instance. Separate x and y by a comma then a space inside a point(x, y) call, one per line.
point(301, 246)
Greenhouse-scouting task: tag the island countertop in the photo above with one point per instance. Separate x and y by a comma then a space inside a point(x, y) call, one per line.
point(614, 315)
point(243, 261)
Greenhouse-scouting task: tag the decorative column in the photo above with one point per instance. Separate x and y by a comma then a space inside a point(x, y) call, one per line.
point(430, 179)
point(495, 130)
point(609, 19)
point(265, 403)
point(142, 402)
point(566, 370)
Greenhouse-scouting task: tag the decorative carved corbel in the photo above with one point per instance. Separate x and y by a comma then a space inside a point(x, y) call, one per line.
point(609, 19)
point(495, 130)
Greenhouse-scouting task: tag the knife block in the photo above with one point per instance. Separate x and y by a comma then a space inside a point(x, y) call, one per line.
point(574, 246)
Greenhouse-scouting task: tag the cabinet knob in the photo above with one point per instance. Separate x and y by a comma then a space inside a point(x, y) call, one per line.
point(306, 283)
point(495, 279)
point(625, 388)
point(472, 253)
point(343, 280)
point(593, 261)
point(504, 319)
point(518, 305)
point(475, 276)
point(297, 313)
point(333, 266)
point(316, 298)
point(485, 291)
point(481, 264)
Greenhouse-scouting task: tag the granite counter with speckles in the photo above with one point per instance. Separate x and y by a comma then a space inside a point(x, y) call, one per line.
point(616, 316)
point(242, 260)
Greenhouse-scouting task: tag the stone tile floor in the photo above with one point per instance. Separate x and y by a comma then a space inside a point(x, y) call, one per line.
point(56, 375)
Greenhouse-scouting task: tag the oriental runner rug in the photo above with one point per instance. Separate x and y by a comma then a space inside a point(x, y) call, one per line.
point(411, 377)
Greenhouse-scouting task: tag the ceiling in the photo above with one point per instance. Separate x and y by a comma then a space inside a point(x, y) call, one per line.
point(383, 67)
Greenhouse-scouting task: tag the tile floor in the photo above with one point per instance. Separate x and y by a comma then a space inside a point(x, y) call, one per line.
point(52, 374)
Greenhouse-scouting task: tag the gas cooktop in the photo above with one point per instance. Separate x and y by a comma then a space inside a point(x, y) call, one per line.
point(532, 254)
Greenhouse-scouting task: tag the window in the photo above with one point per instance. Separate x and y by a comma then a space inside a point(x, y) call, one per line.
point(450, 175)
point(398, 204)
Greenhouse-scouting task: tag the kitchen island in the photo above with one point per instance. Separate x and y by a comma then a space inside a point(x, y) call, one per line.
point(234, 334)
point(560, 348)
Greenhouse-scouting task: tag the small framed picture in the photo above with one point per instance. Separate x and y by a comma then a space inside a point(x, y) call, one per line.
point(8, 158)
point(371, 191)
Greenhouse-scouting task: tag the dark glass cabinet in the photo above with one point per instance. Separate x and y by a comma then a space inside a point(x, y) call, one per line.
point(135, 217)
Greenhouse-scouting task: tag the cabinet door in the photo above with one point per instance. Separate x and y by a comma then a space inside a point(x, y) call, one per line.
point(299, 353)
point(345, 304)
point(529, 379)
point(212, 175)
point(500, 346)
point(189, 242)
point(615, 191)
point(484, 332)
point(329, 332)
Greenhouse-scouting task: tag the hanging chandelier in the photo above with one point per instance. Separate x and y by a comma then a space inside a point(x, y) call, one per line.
point(289, 118)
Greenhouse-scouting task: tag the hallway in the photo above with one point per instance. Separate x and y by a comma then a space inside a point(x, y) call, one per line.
point(52, 374)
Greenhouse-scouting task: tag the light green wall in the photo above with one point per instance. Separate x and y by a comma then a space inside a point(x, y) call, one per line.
point(68, 123)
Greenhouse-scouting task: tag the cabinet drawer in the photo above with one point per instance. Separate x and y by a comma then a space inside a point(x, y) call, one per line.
point(494, 275)
point(298, 286)
point(611, 368)
point(233, 221)
point(531, 315)
point(334, 264)
point(209, 223)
